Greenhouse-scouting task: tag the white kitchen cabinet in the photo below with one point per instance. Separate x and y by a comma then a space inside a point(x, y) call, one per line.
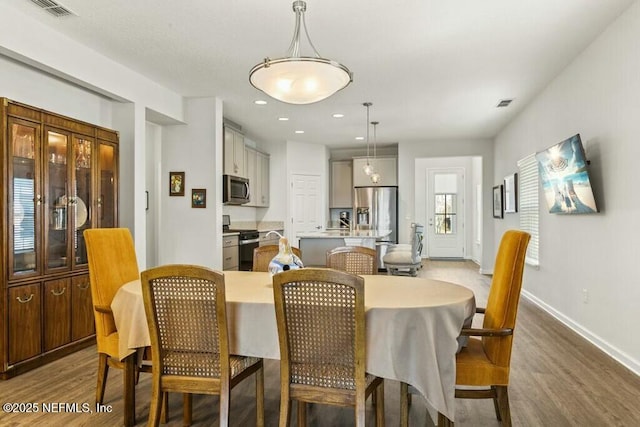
point(234, 152)
point(387, 167)
point(262, 163)
point(257, 168)
point(230, 254)
point(250, 160)
point(341, 184)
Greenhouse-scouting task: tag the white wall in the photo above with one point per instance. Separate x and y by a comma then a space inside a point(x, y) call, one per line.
point(278, 209)
point(596, 96)
point(471, 178)
point(30, 86)
point(408, 152)
point(153, 185)
point(193, 235)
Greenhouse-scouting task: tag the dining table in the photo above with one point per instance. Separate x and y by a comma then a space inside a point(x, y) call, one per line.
point(412, 326)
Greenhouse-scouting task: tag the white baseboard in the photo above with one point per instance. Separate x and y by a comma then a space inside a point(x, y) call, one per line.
point(619, 356)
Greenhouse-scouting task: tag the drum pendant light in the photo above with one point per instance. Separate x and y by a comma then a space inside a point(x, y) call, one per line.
point(298, 79)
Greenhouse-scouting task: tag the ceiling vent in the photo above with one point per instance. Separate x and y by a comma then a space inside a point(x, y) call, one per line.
point(54, 8)
point(504, 103)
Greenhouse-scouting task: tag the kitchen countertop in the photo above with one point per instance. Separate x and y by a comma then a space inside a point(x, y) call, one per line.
point(341, 234)
point(230, 233)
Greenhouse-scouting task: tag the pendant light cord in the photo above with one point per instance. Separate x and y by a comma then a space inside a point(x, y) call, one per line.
point(367, 104)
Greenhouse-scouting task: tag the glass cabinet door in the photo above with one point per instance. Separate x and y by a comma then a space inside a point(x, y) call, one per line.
point(58, 201)
point(81, 195)
point(24, 197)
point(107, 191)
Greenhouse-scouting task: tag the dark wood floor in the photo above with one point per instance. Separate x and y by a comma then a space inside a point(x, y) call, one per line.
point(557, 379)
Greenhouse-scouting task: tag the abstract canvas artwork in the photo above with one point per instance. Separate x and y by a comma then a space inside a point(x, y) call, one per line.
point(565, 178)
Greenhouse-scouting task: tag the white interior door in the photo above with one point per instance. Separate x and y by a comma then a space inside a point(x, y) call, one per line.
point(307, 205)
point(445, 213)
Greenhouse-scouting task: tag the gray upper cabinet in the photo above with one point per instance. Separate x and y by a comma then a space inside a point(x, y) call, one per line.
point(387, 167)
point(257, 168)
point(234, 155)
point(341, 184)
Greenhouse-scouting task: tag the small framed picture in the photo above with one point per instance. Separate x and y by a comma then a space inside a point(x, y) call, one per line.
point(498, 205)
point(176, 183)
point(511, 193)
point(199, 198)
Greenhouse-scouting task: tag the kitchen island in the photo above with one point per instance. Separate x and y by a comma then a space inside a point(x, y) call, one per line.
point(315, 244)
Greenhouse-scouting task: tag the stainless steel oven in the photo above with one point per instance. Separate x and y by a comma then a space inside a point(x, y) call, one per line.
point(248, 240)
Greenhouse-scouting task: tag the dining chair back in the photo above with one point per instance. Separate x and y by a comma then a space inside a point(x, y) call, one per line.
point(353, 259)
point(185, 307)
point(262, 256)
point(484, 363)
point(112, 263)
point(321, 331)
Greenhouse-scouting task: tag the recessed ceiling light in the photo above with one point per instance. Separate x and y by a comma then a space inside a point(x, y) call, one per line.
point(338, 115)
point(283, 119)
point(260, 102)
point(360, 138)
point(299, 131)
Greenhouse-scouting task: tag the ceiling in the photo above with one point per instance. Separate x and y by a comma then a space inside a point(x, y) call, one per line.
point(433, 69)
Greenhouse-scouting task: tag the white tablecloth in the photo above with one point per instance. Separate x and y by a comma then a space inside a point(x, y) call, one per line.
point(412, 326)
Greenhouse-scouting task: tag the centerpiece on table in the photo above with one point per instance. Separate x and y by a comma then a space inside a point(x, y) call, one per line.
point(285, 259)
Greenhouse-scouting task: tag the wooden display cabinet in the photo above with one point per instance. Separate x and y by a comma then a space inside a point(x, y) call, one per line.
point(59, 177)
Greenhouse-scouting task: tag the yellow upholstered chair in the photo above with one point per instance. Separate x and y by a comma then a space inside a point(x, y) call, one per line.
point(484, 362)
point(186, 312)
point(112, 263)
point(353, 259)
point(321, 330)
point(262, 256)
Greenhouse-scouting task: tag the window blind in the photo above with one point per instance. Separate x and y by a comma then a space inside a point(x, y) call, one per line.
point(23, 230)
point(529, 208)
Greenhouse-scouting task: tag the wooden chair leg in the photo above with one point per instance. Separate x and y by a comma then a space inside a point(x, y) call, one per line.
point(444, 421)
point(503, 404)
point(129, 390)
point(187, 409)
point(495, 403)
point(404, 404)
point(164, 413)
point(225, 397)
point(379, 394)
point(302, 414)
point(103, 371)
point(155, 409)
point(260, 397)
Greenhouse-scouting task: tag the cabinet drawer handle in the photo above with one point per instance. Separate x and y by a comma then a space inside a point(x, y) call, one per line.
point(83, 286)
point(24, 301)
point(227, 259)
point(53, 291)
point(227, 241)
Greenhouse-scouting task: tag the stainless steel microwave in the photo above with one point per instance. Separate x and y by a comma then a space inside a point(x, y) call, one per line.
point(235, 190)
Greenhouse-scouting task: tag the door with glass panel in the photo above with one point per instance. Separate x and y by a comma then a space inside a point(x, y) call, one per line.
point(81, 192)
point(25, 198)
point(107, 200)
point(445, 213)
point(68, 181)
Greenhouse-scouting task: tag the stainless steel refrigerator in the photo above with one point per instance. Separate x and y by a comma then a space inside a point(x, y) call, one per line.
point(376, 208)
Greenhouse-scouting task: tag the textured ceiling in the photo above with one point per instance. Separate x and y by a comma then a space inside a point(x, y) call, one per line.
point(434, 69)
